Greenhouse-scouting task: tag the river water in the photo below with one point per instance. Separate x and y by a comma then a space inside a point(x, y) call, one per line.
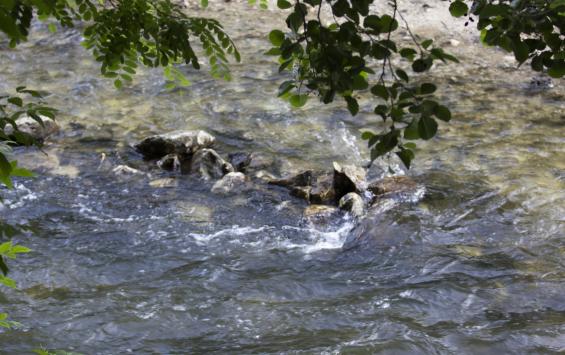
point(120, 265)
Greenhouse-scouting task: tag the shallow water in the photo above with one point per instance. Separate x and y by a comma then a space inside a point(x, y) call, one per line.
point(120, 266)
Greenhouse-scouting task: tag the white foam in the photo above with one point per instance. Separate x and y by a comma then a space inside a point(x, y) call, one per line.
point(321, 240)
point(233, 231)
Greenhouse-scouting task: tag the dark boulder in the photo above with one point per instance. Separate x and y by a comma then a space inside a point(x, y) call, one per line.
point(304, 178)
point(348, 178)
point(177, 142)
point(240, 161)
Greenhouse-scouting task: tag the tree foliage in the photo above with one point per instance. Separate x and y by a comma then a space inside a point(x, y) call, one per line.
point(531, 29)
point(124, 33)
point(357, 53)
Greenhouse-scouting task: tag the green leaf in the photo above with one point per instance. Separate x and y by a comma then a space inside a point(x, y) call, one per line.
point(427, 88)
point(421, 65)
point(382, 111)
point(352, 105)
point(458, 8)
point(408, 53)
point(396, 114)
point(402, 75)
point(359, 83)
point(521, 50)
point(6, 281)
point(406, 155)
point(557, 70)
point(426, 43)
point(273, 51)
point(283, 4)
point(19, 249)
point(5, 166)
point(294, 21)
point(276, 37)
point(298, 100)
point(16, 101)
point(411, 131)
point(286, 87)
point(5, 247)
point(118, 84)
point(3, 266)
point(380, 91)
point(427, 127)
point(557, 3)
point(442, 113)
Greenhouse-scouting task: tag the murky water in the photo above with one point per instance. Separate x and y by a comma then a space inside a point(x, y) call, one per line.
point(121, 266)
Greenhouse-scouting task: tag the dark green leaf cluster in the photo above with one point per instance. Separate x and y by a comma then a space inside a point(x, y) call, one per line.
point(355, 54)
point(11, 108)
point(124, 33)
point(532, 30)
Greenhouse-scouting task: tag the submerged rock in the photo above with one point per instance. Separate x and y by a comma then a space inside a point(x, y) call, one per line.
point(177, 142)
point(126, 170)
point(353, 203)
point(260, 161)
point(348, 178)
point(208, 164)
point(164, 183)
point(240, 161)
point(231, 183)
point(378, 228)
point(37, 131)
point(322, 190)
point(321, 214)
point(540, 83)
point(393, 185)
point(302, 192)
point(304, 178)
point(264, 175)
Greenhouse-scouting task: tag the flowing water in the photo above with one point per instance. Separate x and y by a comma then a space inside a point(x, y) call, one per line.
point(120, 265)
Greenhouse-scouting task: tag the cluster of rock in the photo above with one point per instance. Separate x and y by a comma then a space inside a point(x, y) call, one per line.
point(344, 187)
point(190, 152)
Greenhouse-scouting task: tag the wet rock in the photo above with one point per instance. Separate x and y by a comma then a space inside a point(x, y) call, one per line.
point(322, 191)
point(240, 161)
point(348, 178)
point(194, 211)
point(304, 178)
point(36, 130)
point(164, 183)
point(321, 214)
point(302, 192)
point(259, 161)
point(231, 183)
point(169, 162)
point(208, 164)
point(375, 232)
point(179, 142)
point(540, 83)
point(392, 185)
point(264, 175)
point(125, 170)
point(353, 203)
